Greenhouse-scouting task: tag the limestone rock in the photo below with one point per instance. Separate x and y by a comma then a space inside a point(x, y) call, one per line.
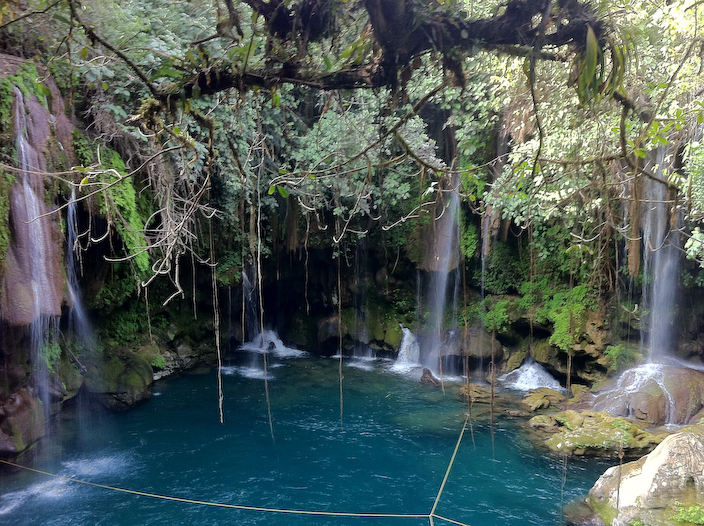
point(654, 394)
point(597, 434)
point(648, 487)
point(542, 398)
point(477, 393)
point(480, 344)
point(21, 422)
point(330, 328)
point(119, 382)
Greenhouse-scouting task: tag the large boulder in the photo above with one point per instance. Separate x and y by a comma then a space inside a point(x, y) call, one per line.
point(591, 433)
point(119, 382)
point(651, 490)
point(654, 394)
point(21, 422)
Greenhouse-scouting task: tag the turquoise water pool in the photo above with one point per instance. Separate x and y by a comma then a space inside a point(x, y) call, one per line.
point(389, 455)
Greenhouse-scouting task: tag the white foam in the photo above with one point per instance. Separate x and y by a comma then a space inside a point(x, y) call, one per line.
point(409, 351)
point(530, 375)
point(269, 342)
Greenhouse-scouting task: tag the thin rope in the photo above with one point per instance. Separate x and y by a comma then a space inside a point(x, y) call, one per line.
point(435, 515)
point(430, 516)
point(221, 504)
point(449, 467)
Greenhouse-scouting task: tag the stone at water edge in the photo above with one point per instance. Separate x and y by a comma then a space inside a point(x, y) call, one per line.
point(650, 392)
point(649, 487)
point(21, 422)
point(542, 398)
point(429, 378)
point(592, 433)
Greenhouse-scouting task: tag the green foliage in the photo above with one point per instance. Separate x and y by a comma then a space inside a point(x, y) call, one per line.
point(565, 310)
point(469, 240)
point(505, 271)
point(689, 515)
point(50, 353)
point(621, 356)
point(159, 362)
point(124, 325)
point(6, 182)
point(636, 522)
point(496, 316)
point(82, 149)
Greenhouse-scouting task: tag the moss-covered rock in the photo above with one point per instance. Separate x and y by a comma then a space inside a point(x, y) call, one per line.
point(542, 398)
point(120, 380)
point(476, 393)
point(594, 433)
point(21, 422)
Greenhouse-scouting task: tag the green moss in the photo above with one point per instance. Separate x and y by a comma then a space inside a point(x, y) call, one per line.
point(121, 204)
point(604, 510)
point(688, 515)
point(6, 182)
point(82, 149)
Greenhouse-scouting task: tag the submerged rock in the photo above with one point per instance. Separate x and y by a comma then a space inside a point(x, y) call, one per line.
point(646, 490)
point(476, 393)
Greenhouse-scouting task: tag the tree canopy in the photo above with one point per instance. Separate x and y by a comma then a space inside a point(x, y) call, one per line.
point(553, 109)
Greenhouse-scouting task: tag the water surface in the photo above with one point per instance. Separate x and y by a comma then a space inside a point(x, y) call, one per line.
point(388, 455)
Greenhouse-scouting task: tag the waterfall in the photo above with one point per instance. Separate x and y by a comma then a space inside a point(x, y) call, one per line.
point(78, 323)
point(660, 264)
point(32, 291)
point(445, 256)
point(361, 350)
point(409, 351)
point(250, 305)
point(530, 375)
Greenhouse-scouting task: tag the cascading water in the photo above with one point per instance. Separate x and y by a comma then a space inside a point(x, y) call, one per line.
point(661, 261)
point(530, 375)
point(408, 353)
point(33, 282)
point(79, 325)
point(258, 342)
point(631, 394)
point(250, 305)
point(361, 350)
point(444, 270)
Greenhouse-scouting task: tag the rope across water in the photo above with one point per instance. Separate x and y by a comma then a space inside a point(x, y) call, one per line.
point(430, 516)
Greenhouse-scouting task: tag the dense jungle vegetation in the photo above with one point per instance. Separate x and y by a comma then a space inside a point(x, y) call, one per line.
point(223, 134)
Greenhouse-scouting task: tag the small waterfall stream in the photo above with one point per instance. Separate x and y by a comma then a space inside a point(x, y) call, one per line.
point(79, 324)
point(628, 395)
point(661, 263)
point(442, 286)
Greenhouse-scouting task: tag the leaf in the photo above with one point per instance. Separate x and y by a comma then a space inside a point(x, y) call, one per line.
point(272, 189)
point(282, 191)
point(591, 56)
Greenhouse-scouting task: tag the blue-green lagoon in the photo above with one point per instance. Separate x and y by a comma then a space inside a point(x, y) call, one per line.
point(388, 455)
